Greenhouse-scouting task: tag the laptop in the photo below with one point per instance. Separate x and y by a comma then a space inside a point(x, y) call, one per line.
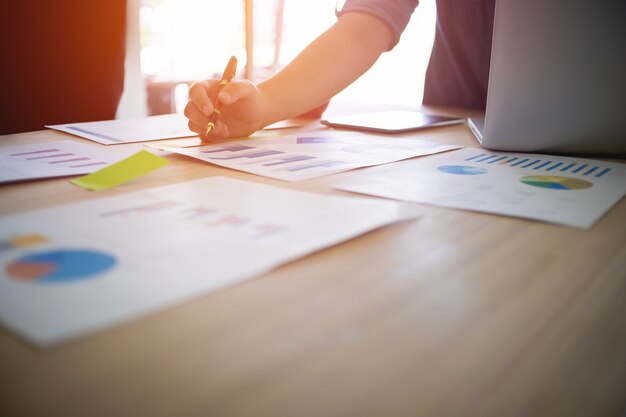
point(557, 81)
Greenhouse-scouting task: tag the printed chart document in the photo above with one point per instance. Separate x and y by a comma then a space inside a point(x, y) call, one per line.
point(568, 191)
point(114, 132)
point(53, 159)
point(305, 156)
point(73, 269)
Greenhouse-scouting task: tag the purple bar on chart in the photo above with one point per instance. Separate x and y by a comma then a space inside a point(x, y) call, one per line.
point(268, 230)
point(290, 159)
point(49, 156)
point(255, 154)
point(34, 152)
point(231, 148)
point(88, 165)
point(196, 212)
point(96, 134)
point(321, 164)
point(315, 139)
point(69, 160)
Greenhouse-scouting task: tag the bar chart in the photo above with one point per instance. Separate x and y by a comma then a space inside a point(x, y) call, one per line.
point(305, 156)
point(54, 156)
point(542, 164)
point(204, 217)
point(53, 159)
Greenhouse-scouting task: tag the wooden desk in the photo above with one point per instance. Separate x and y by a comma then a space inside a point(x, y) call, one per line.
point(456, 314)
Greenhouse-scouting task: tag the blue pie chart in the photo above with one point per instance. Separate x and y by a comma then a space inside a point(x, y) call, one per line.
point(461, 170)
point(58, 266)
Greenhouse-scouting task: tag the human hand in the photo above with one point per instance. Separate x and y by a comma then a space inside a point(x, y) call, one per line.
point(241, 105)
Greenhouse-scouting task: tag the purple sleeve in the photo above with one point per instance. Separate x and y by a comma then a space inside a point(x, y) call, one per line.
point(396, 13)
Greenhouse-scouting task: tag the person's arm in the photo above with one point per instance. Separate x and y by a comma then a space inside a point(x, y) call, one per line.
point(328, 65)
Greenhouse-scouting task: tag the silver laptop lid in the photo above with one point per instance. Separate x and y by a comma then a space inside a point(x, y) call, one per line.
point(558, 77)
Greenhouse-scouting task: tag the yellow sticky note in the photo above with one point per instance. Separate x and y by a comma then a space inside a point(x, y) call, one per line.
point(121, 172)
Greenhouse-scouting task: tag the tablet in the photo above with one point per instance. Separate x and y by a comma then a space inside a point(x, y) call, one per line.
point(392, 121)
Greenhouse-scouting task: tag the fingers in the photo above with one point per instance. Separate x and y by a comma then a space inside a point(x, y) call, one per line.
point(200, 107)
point(198, 122)
point(199, 95)
point(235, 91)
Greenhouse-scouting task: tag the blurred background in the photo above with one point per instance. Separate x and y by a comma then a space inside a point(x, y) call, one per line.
point(173, 43)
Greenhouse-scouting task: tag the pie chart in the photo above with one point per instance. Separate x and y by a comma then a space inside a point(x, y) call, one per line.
point(58, 266)
point(556, 182)
point(461, 170)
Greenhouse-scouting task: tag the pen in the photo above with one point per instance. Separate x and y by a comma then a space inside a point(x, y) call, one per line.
point(229, 73)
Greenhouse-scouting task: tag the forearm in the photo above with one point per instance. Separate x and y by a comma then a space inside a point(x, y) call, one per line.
point(328, 65)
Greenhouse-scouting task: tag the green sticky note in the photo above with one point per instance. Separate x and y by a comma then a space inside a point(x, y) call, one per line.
point(121, 172)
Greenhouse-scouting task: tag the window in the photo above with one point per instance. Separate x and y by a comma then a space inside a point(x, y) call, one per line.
point(183, 41)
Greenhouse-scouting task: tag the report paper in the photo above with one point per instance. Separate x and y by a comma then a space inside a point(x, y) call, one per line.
point(305, 156)
point(569, 191)
point(115, 132)
point(53, 159)
point(73, 269)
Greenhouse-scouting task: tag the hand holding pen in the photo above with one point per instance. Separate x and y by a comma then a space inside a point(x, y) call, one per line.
point(223, 108)
point(229, 73)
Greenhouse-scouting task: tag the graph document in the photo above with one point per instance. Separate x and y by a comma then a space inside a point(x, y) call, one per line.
point(305, 156)
point(73, 269)
point(53, 159)
point(569, 191)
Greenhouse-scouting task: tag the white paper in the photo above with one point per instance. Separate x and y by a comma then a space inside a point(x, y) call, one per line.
point(53, 159)
point(115, 132)
point(309, 155)
point(161, 246)
point(568, 191)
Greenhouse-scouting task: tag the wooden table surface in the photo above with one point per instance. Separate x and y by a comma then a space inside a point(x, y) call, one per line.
point(455, 314)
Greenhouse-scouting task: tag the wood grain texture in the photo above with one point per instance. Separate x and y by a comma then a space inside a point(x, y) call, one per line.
point(458, 313)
